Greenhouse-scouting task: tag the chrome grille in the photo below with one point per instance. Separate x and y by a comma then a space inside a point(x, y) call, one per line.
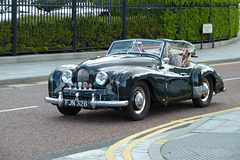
point(83, 75)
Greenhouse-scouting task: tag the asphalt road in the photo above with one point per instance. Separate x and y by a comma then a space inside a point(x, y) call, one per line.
point(33, 129)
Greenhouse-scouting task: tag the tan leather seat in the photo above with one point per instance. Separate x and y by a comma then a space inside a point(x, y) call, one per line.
point(186, 58)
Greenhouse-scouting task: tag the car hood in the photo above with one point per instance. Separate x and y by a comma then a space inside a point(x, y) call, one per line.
point(120, 61)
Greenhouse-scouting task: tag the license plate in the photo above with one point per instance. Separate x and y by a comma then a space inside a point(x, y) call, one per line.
point(75, 103)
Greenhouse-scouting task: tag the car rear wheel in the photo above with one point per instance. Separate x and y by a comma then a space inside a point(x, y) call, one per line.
point(139, 102)
point(68, 111)
point(206, 97)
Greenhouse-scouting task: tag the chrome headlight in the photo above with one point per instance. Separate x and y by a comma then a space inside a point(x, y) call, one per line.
point(101, 78)
point(67, 76)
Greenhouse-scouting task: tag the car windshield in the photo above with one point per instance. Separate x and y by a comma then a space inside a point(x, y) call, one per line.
point(140, 46)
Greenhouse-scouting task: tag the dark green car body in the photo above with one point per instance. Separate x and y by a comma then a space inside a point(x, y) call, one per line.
point(166, 83)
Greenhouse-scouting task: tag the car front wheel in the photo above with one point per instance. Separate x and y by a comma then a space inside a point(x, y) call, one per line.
point(139, 102)
point(68, 111)
point(206, 97)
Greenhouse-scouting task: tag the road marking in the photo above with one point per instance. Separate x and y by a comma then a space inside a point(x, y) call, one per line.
point(20, 85)
point(14, 86)
point(156, 130)
point(16, 109)
point(27, 85)
point(43, 82)
point(127, 150)
point(222, 64)
point(110, 151)
point(161, 141)
point(231, 79)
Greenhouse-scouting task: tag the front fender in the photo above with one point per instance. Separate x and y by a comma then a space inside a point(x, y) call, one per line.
point(55, 83)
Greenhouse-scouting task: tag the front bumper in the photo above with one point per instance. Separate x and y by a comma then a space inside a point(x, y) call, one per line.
point(93, 102)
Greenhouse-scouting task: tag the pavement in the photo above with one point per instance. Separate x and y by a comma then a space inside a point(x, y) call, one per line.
point(214, 136)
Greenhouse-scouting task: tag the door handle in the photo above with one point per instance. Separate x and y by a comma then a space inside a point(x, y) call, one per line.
point(183, 74)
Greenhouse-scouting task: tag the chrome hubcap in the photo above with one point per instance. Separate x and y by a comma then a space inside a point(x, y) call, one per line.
point(139, 100)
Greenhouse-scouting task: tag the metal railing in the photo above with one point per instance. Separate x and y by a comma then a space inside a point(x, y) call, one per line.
point(29, 13)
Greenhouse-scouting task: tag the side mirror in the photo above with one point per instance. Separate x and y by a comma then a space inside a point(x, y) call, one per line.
point(166, 60)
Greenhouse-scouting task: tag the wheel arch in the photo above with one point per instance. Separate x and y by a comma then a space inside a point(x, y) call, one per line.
point(200, 72)
point(134, 75)
point(148, 79)
point(150, 88)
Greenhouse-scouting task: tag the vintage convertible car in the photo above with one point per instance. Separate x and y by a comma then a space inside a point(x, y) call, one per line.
point(132, 74)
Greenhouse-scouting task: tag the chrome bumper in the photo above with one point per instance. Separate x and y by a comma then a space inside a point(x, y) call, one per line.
point(224, 89)
point(59, 101)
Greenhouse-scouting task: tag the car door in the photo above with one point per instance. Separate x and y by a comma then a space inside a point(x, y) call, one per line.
point(177, 82)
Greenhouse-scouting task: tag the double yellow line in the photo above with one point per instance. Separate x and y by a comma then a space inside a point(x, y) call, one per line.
point(24, 85)
point(227, 63)
point(236, 61)
point(138, 137)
